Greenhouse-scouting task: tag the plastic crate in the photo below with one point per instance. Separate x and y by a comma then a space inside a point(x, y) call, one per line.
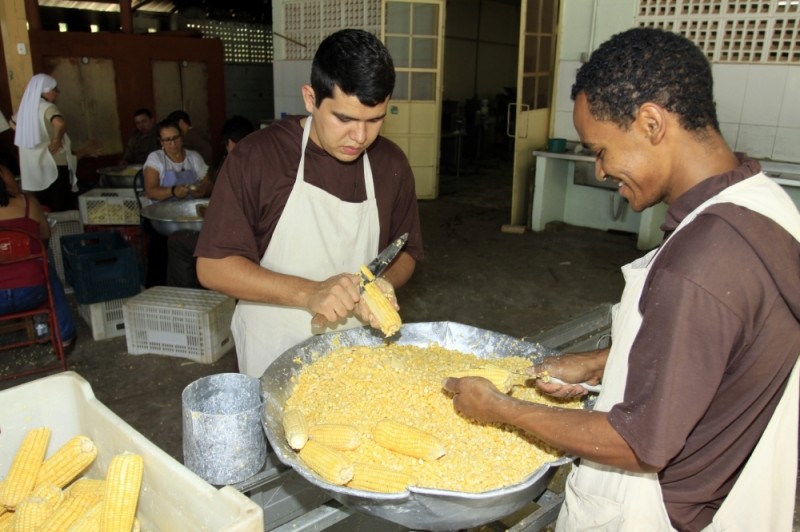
point(171, 498)
point(100, 266)
point(109, 206)
point(62, 223)
point(105, 318)
point(132, 234)
point(180, 322)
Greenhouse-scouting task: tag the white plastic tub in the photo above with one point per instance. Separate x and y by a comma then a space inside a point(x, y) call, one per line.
point(172, 497)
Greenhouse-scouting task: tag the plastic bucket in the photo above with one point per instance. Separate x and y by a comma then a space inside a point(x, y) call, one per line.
point(223, 438)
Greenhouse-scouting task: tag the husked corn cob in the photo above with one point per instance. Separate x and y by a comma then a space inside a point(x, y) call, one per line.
point(89, 521)
point(328, 463)
point(68, 462)
point(94, 486)
point(296, 428)
point(22, 474)
point(69, 511)
point(407, 440)
point(50, 492)
point(379, 305)
point(123, 482)
point(376, 478)
point(500, 377)
point(31, 512)
point(7, 521)
point(336, 435)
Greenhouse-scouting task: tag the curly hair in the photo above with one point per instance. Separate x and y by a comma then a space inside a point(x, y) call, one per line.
point(358, 63)
point(648, 65)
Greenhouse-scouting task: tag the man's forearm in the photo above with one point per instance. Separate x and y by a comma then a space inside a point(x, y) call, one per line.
point(400, 271)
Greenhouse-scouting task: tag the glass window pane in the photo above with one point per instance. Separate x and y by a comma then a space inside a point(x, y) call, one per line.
point(545, 53)
point(400, 86)
point(423, 53)
point(532, 21)
point(398, 49)
point(422, 85)
point(426, 19)
point(529, 61)
point(398, 17)
point(529, 91)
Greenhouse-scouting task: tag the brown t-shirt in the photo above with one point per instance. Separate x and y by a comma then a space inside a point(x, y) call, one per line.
point(719, 337)
point(255, 182)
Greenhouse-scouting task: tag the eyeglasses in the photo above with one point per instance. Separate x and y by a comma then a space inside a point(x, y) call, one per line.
point(167, 140)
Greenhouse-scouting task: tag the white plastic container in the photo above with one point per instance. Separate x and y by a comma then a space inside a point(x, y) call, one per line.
point(109, 206)
point(171, 498)
point(181, 322)
point(105, 318)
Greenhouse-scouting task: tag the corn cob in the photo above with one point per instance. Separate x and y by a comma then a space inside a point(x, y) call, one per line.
point(69, 511)
point(296, 428)
point(501, 378)
point(328, 463)
point(68, 462)
point(407, 440)
point(50, 492)
point(22, 474)
point(86, 485)
point(6, 520)
point(376, 478)
point(89, 521)
point(31, 512)
point(379, 305)
point(123, 482)
point(338, 436)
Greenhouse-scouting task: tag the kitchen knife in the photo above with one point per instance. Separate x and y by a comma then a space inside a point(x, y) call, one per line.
point(385, 257)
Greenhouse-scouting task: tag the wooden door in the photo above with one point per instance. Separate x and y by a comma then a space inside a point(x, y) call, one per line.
point(529, 116)
point(88, 100)
point(182, 85)
point(413, 31)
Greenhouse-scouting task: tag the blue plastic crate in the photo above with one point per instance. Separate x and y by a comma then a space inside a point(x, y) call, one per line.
point(100, 266)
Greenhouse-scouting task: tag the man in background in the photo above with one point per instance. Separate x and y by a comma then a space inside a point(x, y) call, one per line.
point(192, 139)
point(143, 141)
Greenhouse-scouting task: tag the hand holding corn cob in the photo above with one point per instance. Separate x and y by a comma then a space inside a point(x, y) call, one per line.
point(378, 296)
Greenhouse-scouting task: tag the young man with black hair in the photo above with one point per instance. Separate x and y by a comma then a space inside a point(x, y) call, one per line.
point(192, 140)
point(299, 206)
point(696, 423)
point(143, 141)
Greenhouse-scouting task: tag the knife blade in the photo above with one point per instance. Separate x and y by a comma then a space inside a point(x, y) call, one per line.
point(385, 257)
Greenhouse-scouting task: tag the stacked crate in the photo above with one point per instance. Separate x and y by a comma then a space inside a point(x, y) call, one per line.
point(62, 223)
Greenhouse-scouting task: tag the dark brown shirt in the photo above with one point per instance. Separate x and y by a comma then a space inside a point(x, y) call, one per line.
point(719, 337)
point(255, 182)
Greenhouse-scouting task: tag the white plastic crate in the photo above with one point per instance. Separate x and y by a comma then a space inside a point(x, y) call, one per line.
point(62, 223)
point(180, 322)
point(105, 318)
point(109, 206)
point(171, 498)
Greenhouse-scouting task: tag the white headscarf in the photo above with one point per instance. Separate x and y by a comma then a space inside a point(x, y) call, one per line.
point(29, 134)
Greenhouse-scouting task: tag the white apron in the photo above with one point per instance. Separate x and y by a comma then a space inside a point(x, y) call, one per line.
point(605, 498)
point(37, 167)
point(317, 236)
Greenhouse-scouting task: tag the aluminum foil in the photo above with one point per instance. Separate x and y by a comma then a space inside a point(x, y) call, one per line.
point(417, 508)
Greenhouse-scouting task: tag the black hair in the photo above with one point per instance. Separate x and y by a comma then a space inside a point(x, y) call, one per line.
point(236, 128)
point(177, 116)
point(357, 62)
point(648, 65)
point(143, 111)
point(164, 124)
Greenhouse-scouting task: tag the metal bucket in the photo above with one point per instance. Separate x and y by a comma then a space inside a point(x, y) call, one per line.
point(223, 439)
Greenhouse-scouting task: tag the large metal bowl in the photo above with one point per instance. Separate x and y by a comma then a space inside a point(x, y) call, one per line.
point(418, 508)
point(119, 176)
point(173, 215)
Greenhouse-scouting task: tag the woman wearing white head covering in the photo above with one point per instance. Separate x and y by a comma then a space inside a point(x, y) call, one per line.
point(47, 165)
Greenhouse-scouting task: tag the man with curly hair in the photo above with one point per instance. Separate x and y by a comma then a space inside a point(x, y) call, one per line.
point(696, 423)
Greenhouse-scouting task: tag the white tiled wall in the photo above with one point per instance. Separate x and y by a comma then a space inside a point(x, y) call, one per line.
point(758, 105)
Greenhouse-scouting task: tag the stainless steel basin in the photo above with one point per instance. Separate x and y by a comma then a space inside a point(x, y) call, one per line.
point(418, 508)
point(173, 215)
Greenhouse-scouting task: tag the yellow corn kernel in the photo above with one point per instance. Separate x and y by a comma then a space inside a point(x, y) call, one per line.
point(328, 463)
point(407, 440)
point(69, 511)
point(89, 521)
point(296, 428)
point(6, 520)
point(86, 485)
point(379, 305)
point(123, 482)
point(336, 435)
point(49, 492)
point(22, 474)
point(500, 377)
point(376, 478)
point(137, 526)
point(68, 462)
point(31, 512)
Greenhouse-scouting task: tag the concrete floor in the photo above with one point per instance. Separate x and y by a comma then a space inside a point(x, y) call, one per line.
point(518, 284)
